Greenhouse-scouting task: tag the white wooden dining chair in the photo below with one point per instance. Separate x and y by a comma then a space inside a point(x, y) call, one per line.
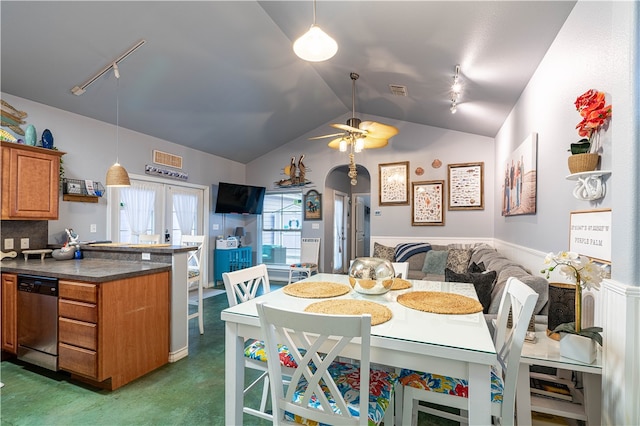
point(149, 239)
point(441, 390)
point(322, 389)
point(194, 272)
point(309, 253)
point(243, 285)
point(401, 269)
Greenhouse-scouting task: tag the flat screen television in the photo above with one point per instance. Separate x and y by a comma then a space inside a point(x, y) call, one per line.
point(239, 199)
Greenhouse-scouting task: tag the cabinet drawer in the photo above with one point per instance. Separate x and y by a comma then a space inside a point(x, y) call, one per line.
point(78, 310)
point(78, 360)
point(78, 291)
point(78, 333)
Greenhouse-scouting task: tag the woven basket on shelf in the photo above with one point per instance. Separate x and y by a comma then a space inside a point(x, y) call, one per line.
point(583, 162)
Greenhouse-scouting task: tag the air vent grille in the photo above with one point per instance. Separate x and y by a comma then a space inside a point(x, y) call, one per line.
point(166, 159)
point(398, 90)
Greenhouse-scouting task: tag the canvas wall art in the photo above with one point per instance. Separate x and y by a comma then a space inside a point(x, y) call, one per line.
point(519, 191)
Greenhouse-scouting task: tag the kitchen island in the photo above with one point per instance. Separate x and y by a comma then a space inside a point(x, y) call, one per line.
point(119, 316)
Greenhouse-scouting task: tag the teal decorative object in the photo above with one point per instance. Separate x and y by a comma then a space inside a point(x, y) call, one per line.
point(30, 135)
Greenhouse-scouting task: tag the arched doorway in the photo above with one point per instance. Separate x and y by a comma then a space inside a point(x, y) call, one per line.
point(347, 221)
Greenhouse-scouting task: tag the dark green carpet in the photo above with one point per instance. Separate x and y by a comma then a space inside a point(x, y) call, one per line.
point(187, 392)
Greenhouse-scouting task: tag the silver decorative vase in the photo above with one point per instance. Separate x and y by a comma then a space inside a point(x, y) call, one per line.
point(371, 275)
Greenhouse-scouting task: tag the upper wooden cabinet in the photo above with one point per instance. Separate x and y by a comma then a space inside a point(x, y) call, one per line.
point(30, 182)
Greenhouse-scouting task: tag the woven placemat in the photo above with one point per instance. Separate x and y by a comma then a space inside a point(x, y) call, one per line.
point(316, 289)
point(400, 284)
point(379, 313)
point(440, 303)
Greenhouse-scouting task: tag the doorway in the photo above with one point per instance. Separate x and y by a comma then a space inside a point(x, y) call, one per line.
point(341, 224)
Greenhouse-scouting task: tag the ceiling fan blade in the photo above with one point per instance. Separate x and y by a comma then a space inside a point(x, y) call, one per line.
point(347, 128)
point(379, 130)
point(372, 143)
point(325, 136)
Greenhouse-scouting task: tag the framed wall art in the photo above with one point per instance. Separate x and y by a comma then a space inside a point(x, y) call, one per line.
point(312, 205)
point(466, 186)
point(590, 234)
point(519, 192)
point(393, 189)
point(428, 199)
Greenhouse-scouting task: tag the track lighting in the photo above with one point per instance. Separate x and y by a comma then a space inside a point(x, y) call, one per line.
point(79, 90)
point(456, 90)
point(315, 45)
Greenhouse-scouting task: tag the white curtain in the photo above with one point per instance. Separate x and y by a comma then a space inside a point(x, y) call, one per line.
point(186, 207)
point(138, 201)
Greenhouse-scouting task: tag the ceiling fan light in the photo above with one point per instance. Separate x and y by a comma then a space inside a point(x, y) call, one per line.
point(315, 45)
point(343, 145)
point(117, 176)
point(359, 145)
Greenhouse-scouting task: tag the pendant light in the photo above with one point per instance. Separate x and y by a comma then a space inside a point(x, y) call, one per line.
point(315, 45)
point(117, 176)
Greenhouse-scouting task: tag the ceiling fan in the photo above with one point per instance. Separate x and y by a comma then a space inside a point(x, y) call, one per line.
point(357, 135)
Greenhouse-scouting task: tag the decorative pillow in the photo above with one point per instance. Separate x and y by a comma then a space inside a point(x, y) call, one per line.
point(476, 267)
point(384, 252)
point(483, 282)
point(458, 260)
point(405, 251)
point(435, 261)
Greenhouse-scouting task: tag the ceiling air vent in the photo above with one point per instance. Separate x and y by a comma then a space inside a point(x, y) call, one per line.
point(398, 90)
point(166, 159)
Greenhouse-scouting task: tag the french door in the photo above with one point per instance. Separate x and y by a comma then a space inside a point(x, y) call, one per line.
point(151, 206)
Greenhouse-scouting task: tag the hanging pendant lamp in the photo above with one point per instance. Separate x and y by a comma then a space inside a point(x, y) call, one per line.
point(117, 175)
point(315, 45)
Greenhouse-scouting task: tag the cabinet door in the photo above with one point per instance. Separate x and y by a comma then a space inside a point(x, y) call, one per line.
point(9, 313)
point(30, 183)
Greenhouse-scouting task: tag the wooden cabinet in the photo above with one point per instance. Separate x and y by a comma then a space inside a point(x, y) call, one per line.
point(229, 260)
point(9, 312)
point(114, 332)
point(30, 182)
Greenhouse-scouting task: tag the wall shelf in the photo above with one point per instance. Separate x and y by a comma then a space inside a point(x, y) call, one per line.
point(590, 186)
point(80, 198)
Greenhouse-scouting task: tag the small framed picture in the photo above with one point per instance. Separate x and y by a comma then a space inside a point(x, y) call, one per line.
point(466, 186)
point(313, 205)
point(428, 203)
point(393, 179)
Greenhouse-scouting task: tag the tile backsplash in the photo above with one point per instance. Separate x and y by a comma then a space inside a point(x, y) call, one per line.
point(36, 230)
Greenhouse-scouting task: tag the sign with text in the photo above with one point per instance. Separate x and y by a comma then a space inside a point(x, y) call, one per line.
point(590, 234)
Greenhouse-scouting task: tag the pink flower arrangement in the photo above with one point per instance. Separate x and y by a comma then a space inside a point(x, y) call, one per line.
point(595, 114)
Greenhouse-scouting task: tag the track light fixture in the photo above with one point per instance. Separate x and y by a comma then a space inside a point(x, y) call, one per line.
point(315, 45)
point(79, 90)
point(456, 90)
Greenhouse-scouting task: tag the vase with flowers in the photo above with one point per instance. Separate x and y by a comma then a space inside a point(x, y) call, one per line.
point(586, 275)
point(595, 115)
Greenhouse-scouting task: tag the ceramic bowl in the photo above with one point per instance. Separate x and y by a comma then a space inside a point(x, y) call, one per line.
point(58, 254)
point(371, 275)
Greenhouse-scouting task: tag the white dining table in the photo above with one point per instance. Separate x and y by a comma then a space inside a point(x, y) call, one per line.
point(453, 345)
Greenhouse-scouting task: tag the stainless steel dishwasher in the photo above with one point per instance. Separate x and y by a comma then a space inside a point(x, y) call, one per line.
point(38, 320)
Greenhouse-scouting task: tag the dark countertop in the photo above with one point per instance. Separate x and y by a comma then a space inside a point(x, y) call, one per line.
point(88, 270)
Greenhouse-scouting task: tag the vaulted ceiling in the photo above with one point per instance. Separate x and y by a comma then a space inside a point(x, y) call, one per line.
point(221, 76)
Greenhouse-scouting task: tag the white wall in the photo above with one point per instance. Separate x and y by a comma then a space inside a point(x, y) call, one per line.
point(90, 147)
point(596, 48)
point(416, 143)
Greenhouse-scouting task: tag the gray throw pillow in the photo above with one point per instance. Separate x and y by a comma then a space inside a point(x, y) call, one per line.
point(482, 281)
point(435, 261)
point(384, 252)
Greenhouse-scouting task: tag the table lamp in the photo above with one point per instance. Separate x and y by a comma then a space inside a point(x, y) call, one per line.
point(239, 234)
